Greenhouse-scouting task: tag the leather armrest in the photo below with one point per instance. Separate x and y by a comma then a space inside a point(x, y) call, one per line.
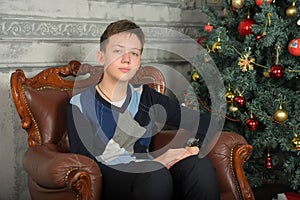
point(241, 153)
point(228, 156)
point(50, 168)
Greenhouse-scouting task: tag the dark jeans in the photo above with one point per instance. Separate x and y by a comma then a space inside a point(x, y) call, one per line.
point(190, 179)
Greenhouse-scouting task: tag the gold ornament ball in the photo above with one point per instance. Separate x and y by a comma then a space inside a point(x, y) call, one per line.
point(229, 96)
point(233, 108)
point(216, 47)
point(291, 11)
point(296, 143)
point(195, 76)
point(238, 3)
point(280, 115)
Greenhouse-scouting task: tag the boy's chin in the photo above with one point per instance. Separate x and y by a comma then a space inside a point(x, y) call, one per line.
point(125, 78)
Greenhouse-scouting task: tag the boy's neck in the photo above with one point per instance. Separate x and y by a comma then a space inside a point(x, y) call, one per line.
point(112, 90)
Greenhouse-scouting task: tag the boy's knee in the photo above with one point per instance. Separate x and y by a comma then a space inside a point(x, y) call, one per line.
point(196, 178)
point(154, 185)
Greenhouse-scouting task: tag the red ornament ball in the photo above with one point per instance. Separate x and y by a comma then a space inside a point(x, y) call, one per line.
point(200, 40)
point(268, 162)
point(240, 101)
point(252, 124)
point(294, 47)
point(245, 27)
point(208, 27)
point(260, 2)
point(276, 72)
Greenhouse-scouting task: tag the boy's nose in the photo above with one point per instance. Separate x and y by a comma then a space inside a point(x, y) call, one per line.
point(126, 58)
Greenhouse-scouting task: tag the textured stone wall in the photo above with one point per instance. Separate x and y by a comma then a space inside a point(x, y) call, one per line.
point(35, 34)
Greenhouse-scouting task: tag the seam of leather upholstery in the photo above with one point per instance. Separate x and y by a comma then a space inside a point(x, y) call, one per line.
point(32, 117)
point(233, 174)
point(67, 182)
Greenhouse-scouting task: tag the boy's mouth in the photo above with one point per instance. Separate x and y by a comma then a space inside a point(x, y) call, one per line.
point(124, 70)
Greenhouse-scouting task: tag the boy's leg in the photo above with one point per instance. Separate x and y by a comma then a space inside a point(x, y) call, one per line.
point(115, 183)
point(195, 178)
point(155, 185)
point(118, 184)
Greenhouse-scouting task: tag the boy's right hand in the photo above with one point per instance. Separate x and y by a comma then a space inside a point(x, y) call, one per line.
point(172, 156)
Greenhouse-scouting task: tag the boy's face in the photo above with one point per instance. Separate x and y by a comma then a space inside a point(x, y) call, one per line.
point(122, 56)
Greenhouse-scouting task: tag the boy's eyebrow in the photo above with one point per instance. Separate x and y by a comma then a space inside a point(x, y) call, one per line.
point(119, 45)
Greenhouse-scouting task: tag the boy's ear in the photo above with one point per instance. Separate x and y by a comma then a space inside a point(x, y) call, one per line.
point(100, 57)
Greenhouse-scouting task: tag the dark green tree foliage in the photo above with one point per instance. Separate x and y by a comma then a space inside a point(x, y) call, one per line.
point(263, 94)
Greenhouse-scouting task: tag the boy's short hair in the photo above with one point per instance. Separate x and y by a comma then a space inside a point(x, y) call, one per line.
point(119, 27)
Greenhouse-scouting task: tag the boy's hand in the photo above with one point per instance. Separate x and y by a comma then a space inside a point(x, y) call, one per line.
point(172, 156)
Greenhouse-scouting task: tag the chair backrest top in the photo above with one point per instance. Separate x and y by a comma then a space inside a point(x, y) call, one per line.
point(40, 100)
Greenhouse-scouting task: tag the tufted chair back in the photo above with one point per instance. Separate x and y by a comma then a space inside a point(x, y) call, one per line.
point(41, 100)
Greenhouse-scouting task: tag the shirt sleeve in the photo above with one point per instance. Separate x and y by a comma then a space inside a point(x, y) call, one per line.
point(172, 113)
point(81, 134)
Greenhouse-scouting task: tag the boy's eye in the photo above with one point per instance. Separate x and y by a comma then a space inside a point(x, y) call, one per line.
point(117, 51)
point(135, 54)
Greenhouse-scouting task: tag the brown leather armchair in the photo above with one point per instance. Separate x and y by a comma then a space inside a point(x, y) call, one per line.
point(55, 173)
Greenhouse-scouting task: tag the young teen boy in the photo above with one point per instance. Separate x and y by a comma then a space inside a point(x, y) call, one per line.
point(112, 123)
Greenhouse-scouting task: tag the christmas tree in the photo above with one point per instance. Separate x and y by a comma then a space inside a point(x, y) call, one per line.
point(256, 46)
